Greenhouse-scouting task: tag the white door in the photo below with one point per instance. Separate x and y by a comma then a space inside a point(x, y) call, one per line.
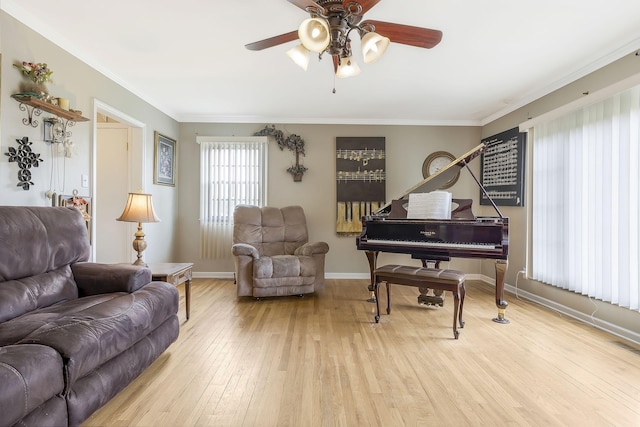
point(113, 238)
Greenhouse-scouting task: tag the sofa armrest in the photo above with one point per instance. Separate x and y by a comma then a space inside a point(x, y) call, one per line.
point(244, 249)
point(30, 374)
point(312, 248)
point(93, 278)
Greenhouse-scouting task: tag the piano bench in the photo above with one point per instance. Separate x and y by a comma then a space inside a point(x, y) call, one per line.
point(420, 277)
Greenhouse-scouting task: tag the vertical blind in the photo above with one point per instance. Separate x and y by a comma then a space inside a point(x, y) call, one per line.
point(232, 171)
point(586, 200)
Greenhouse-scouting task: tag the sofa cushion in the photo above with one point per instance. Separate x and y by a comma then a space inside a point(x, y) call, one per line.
point(96, 388)
point(272, 231)
point(20, 296)
point(278, 266)
point(37, 239)
point(89, 331)
point(30, 375)
point(52, 413)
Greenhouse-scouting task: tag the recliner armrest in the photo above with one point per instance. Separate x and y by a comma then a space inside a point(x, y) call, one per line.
point(94, 278)
point(31, 375)
point(312, 248)
point(244, 249)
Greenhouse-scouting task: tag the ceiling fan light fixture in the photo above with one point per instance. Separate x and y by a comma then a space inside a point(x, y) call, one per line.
point(373, 46)
point(347, 68)
point(299, 55)
point(314, 34)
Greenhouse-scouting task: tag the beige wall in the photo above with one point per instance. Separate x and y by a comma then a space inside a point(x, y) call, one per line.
point(81, 84)
point(406, 147)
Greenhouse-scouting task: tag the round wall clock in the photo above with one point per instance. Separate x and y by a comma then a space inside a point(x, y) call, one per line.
point(435, 162)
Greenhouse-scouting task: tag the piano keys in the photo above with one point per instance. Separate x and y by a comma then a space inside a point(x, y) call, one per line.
point(463, 236)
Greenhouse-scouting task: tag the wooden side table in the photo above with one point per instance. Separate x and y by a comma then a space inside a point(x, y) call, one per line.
point(176, 274)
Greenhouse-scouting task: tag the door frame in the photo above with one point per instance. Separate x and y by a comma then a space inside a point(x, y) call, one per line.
point(136, 158)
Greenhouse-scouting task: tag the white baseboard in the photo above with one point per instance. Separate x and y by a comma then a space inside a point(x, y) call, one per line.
point(213, 274)
point(567, 311)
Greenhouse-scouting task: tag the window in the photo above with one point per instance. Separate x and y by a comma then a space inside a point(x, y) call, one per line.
point(232, 171)
point(586, 200)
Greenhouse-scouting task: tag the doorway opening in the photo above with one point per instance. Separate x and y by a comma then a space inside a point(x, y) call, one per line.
point(118, 167)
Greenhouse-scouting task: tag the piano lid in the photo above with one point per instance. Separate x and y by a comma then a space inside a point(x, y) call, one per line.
point(438, 179)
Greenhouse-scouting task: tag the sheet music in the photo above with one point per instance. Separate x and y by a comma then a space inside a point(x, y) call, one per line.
point(433, 205)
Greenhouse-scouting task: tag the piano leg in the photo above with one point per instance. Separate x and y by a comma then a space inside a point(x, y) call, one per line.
point(501, 270)
point(372, 257)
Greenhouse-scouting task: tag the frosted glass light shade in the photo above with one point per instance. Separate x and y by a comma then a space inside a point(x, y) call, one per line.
point(314, 34)
point(373, 46)
point(299, 55)
point(347, 68)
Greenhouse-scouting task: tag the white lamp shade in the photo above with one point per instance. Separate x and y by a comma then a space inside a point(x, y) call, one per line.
point(373, 46)
point(299, 55)
point(347, 68)
point(139, 209)
point(314, 34)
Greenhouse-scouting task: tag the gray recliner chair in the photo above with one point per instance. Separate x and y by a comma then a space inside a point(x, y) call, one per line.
point(273, 255)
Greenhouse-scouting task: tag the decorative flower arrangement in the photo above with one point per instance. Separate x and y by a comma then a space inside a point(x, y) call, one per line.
point(293, 143)
point(37, 72)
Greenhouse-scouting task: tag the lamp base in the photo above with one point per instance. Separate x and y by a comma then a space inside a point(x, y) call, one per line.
point(139, 245)
point(139, 262)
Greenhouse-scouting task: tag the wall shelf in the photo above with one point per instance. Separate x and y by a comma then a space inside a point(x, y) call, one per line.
point(37, 106)
point(49, 108)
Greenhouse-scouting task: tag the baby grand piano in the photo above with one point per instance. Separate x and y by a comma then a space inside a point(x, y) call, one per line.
point(463, 236)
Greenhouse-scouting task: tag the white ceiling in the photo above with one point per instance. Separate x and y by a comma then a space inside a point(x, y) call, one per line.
point(188, 58)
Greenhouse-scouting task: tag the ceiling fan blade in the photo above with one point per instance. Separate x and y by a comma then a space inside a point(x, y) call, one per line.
point(366, 4)
point(304, 4)
point(406, 34)
point(273, 41)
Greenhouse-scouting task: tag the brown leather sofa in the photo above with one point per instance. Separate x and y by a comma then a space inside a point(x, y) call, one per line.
point(273, 255)
point(72, 333)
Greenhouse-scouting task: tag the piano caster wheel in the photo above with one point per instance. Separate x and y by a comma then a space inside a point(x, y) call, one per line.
point(500, 318)
point(377, 319)
point(456, 334)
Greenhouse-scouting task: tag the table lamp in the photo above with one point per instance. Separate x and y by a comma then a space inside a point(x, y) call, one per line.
point(139, 209)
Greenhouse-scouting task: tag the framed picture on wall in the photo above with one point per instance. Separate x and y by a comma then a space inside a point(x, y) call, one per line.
point(164, 170)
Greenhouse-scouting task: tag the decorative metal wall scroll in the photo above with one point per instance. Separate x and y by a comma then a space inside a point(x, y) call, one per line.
point(292, 142)
point(26, 159)
point(361, 181)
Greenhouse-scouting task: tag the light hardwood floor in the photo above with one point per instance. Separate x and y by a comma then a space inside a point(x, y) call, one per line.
point(322, 361)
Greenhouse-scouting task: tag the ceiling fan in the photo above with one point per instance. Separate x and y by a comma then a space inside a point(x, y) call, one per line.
point(328, 31)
